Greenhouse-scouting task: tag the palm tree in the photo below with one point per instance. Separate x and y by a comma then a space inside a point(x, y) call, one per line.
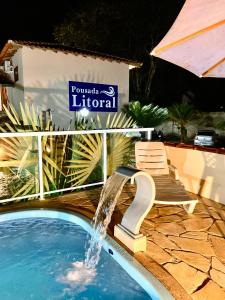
point(181, 114)
point(146, 115)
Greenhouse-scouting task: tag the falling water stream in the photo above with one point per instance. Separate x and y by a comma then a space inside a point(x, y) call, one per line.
point(108, 199)
point(83, 272)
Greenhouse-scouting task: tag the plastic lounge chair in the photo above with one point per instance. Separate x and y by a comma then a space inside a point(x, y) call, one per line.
point(151, 158)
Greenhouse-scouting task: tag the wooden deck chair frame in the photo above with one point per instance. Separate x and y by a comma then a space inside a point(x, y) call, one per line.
point(151, 157)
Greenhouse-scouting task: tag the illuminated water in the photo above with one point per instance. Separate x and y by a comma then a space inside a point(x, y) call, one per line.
point(107, 202)
point(36, 253)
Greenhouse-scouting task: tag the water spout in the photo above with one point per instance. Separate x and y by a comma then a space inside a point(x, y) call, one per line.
point(128, 231)
point(108, 199)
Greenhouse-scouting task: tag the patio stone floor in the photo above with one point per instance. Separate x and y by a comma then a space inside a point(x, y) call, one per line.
point(185, 252)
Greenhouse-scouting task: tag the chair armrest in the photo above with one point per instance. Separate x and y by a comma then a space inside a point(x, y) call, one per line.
point(173, 172)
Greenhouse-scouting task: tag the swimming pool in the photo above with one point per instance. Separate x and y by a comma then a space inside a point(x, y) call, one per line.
point(38, 247)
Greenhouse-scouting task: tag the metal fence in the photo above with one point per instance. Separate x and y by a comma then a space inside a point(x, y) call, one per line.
point(39, 135)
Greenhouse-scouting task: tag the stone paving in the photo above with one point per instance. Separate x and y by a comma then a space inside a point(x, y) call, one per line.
point(190, 247)
point(185, 252)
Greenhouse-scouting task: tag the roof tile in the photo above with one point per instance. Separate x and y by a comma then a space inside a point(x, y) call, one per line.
point(11, 47)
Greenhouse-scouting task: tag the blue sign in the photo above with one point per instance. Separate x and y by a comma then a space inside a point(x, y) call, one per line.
point(93, 96)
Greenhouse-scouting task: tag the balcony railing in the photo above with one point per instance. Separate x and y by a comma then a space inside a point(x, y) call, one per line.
point(40, 168)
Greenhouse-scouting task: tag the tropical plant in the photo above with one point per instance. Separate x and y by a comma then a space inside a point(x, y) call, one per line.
point(86, 161)
point(81, 123)
point(146, 115)
point(182, 114)
point(66, 160)
point(22, 152)
point(120, 148)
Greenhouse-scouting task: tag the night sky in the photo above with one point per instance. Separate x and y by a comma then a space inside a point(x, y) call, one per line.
point(35, 21)
point(31, 20)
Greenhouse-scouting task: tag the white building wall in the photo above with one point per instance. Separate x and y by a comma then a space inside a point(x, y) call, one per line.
point(46, 74)
point(16, 92)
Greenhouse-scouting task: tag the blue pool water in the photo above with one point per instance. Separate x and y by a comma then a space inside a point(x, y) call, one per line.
point(36, 253)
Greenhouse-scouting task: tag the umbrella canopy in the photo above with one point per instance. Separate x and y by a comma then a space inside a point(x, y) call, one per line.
point(196, 41)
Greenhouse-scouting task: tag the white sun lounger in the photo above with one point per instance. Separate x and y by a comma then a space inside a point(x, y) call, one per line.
point(151, 158)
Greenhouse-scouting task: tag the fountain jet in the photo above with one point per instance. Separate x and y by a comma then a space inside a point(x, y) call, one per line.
point(128, 231)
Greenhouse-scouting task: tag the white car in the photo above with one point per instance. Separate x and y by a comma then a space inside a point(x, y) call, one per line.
point(205, 138)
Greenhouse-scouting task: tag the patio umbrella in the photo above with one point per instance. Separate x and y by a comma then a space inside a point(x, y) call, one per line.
point(196, 41)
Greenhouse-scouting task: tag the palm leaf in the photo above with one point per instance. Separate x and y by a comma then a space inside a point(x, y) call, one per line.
point(31, 118)
point(48, 176)
point(87, 154)
point(26, 189)
point(87, 150)
point(12, 116)
point(21, 151)
point(14, 163)
point(24, 116)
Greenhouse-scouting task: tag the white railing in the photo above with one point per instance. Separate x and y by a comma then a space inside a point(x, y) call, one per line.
point(41, 134)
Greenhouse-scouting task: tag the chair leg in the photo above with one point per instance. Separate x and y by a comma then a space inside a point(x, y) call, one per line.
point(190, 207)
